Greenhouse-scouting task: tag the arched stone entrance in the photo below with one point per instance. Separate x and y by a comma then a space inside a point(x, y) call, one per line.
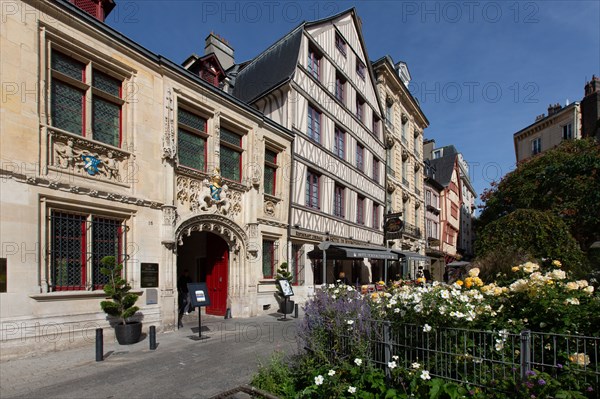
point(212, 248)
point(206, 257)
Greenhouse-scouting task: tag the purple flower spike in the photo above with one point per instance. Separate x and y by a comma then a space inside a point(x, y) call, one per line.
point(541, 382)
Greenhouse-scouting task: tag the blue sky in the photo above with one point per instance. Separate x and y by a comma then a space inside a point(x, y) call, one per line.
point(480, 70)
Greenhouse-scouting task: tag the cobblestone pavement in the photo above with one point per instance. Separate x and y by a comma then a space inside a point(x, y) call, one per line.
point(180, 367)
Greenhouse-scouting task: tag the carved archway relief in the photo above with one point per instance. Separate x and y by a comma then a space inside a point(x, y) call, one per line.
point(233, 234)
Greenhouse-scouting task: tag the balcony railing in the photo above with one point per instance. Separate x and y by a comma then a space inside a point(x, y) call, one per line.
point(390, 171)
point(417, 191)
point(405, 182)
point(412, 230)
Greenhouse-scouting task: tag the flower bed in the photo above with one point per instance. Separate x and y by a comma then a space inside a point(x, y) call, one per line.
point(398, 342)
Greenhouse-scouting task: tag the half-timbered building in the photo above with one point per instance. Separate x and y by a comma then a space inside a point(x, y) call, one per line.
point(317, 81)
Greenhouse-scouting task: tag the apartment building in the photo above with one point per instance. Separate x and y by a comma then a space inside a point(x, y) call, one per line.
point(404, 123)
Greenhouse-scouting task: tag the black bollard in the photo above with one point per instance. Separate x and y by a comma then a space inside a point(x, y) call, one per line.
point(99, 345)
point(295, 311)
point(152, 338)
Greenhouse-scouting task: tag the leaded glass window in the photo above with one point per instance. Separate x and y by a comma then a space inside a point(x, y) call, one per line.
point(231, 155)
point(77, 243)
point(67, 107)
point(270, 171)
point(71, 89)
point(191, 140)
point(106, 241)
point(268, 264)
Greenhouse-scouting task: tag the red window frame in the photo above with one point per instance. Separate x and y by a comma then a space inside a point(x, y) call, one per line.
point(272, 165)
point(271, 244)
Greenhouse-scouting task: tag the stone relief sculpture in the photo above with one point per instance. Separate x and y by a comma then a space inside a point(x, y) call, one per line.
point(80, 155)
point(213, 194)
point(169, 149)
point(110, 167)
point(66, 155)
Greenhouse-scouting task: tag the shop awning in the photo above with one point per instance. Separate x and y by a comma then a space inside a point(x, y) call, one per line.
point(346, 251)
point(409, 255)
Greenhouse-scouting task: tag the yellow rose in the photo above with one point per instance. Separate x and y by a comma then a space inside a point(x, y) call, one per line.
point(515, 268)
point(478, 282)
point(468, 282)
point(421, 280)
point(556, 263)
point(460, 282)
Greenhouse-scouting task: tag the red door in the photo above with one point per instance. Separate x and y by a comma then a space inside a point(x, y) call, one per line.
point(217, 263)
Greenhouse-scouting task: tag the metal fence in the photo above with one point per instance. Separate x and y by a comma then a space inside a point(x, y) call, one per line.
point(472, 356)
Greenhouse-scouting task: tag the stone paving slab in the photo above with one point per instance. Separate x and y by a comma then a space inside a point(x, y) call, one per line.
point(179, 368)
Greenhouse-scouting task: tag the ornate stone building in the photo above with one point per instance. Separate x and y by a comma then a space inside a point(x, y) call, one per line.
point(403, 127)
point(110, 149)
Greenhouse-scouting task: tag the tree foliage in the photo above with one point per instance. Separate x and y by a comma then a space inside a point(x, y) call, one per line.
point(564, 181)
point(539, 234)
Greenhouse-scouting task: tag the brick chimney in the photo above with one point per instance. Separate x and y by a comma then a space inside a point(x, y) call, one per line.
point(553, 109)
point(98, 9)
point(590, 109)
point(221, 48)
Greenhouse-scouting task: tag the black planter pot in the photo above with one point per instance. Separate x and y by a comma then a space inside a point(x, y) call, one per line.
point(129, 333)
point(286, 307)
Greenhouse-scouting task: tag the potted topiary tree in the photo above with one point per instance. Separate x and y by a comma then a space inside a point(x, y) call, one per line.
point(285, 307)
point(122, 303)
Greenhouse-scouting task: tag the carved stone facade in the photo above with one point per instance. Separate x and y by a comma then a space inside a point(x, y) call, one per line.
point(66, 192)
point(77, 155)
point(404, 127)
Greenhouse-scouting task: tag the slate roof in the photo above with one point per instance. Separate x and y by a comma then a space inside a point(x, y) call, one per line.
point(276, 65)
point(444, 166)
point(270, 69)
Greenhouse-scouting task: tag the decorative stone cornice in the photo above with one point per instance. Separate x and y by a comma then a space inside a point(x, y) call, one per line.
point(272, 223)
point(79, 190)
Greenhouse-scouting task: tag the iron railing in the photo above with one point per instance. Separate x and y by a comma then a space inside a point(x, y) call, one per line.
point(412, 230)
point(479, 358)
